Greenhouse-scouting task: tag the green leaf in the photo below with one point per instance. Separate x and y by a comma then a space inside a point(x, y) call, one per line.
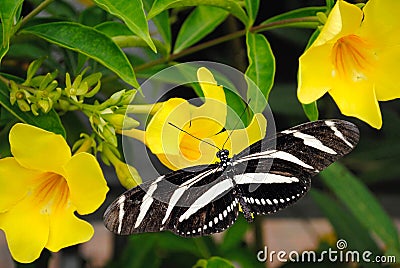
point(362, 204)
point(132, 13)
point(311, 110)
point(93, 16)
point(49, 121)
point(8, 11)
point(345, 224)
point(162, 23)
point(252, 10)
point(233, 237)
point(213, 262)
point(196, 27)
point(89, 42)
point(299, 13)
point(124, 37)
point(230, 5)
point(261, 70)
point(113, 28)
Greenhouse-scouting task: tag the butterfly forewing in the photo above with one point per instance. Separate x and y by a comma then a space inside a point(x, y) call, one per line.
point(275, 178)
point(262, 179)
point(184, 202)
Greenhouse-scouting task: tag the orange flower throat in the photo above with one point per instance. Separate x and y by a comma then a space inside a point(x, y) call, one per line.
point(352, 57)
point(51, 193)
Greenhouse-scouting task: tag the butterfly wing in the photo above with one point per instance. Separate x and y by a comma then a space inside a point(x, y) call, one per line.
point(189, 203)
point(272, 179)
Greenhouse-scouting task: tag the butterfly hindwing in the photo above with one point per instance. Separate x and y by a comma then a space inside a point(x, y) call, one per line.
point(272, 179)
point(213, 207)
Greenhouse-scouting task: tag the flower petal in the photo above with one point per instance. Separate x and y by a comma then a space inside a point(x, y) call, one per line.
point(358, 100)
point(14, 182)
point(344, 19)
point(86, 183)
point(212, 114)
point(26, 230)
point(161, 137)
point(381, 22)
point(38, 149)
point(388, 67)
point(67, 230)
point(240, 139)
point(202, 122)
point(315, 73)
point(175, 162)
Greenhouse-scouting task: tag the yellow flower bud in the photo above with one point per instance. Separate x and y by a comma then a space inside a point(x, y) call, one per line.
point(120, 121)
point(127, 175)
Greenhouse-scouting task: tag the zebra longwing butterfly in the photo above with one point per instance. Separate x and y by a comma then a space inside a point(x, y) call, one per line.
point(206, 200)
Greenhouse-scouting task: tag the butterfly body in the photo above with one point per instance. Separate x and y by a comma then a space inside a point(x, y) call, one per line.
point(262, 179)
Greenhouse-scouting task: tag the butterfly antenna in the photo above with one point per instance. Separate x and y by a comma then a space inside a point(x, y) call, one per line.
point(237, 123)
point(194, 136)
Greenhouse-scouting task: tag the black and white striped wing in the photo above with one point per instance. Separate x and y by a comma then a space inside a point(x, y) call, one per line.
point(186, 203)
point(273, 179)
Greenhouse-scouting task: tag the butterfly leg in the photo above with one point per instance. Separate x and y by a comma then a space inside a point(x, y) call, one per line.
point(248, 215)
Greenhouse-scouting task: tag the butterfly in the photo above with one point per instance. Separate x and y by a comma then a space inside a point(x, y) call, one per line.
point(262, 179)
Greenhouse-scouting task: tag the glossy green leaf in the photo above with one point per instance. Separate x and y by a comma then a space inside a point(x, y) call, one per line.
point(92, 16)
point(311, 111)
point(196, 27)
point(230, 5)
point(8, 11)
point(161, 21)
point(89, 42)
point(113, 28)
point(362, 204)
point(132, 13)
point(233, 237)
point(345, 224)
point(261, 70)
point(299, 13)
point(252, 10)
point(124, 37)
point(49, 121)
point(213, 262)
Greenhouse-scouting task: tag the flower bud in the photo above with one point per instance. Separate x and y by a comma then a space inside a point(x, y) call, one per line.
point(127, 175)
point(120, 121)
point(23, 105)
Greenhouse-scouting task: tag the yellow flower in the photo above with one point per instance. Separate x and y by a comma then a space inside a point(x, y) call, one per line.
point(356, 58)
point(40, 189)
point(178, 150)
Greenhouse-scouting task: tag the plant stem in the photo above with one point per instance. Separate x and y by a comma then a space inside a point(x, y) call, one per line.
point(228, 37)
point(4, 80)
point(35, 11)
